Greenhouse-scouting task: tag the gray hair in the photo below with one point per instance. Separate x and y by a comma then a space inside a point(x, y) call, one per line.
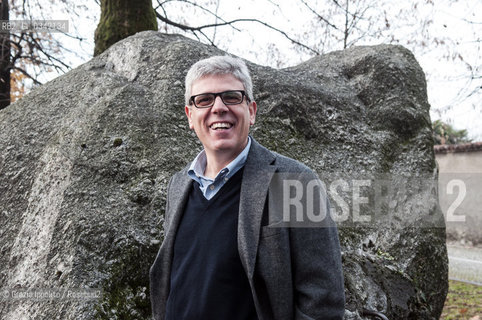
point(219, 65)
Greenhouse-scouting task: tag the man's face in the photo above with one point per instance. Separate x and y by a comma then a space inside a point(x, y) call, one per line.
point(223, 130)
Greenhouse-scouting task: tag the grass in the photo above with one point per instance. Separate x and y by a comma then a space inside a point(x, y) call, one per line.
point(464, 301)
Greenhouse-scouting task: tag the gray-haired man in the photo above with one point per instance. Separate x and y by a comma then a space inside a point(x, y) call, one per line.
point(221, 258)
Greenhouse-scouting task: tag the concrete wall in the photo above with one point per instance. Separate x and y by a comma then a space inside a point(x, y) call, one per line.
point(460, 191)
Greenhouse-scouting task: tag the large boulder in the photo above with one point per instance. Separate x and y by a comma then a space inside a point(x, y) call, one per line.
point(85, 160)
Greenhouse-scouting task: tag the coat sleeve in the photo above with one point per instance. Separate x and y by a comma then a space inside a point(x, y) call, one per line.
point(317, 270)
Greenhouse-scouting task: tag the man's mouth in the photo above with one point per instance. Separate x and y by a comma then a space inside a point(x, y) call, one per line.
point(221, 126)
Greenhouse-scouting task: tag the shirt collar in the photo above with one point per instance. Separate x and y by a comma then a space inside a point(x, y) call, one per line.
point(198, 166)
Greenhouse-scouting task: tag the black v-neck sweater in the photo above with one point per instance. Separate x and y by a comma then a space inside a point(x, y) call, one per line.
point(207, 278)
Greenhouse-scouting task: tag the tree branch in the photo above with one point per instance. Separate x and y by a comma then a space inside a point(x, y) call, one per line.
point(319, 16)
point(199, 28)
point(194, 5)
point(49, 56)
point(27, 74)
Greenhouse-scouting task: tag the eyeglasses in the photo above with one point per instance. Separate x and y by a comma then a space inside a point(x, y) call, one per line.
point(206, 100)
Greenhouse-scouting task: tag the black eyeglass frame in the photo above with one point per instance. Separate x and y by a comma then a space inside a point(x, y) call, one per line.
point(219, 94)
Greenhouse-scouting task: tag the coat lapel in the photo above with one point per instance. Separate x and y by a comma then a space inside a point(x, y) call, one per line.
point(258, 171)
point(180, 193)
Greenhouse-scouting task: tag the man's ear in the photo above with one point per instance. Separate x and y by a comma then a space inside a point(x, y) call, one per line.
point(188, 111)
point(252, 106)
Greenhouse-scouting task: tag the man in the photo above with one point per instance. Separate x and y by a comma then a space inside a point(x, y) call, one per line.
point(222, 257)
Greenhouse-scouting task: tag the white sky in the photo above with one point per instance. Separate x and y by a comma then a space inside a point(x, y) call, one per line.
point(445, 77)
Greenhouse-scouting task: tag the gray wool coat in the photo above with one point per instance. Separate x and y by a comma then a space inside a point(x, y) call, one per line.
point(294, 273)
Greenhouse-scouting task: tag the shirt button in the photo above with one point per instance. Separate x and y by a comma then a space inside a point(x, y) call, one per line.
point(211, 187)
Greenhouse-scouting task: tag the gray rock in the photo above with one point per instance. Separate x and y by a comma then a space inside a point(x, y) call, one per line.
point(86, 158)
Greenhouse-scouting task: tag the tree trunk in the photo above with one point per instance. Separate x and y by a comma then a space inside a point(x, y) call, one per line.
point(120, 19)
point(4, 58)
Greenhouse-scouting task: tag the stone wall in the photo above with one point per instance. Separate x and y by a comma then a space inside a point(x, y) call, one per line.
point(460, 187)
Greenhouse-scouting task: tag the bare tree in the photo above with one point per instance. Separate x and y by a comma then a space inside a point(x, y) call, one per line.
point(416, 24)
point(4, 58)
point(28, 53)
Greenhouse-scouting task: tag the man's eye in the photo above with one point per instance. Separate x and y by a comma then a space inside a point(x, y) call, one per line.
point(232, 97)
point(203, 100)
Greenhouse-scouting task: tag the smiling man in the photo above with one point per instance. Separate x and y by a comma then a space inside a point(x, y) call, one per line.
point(221, 118)
point(222, 258)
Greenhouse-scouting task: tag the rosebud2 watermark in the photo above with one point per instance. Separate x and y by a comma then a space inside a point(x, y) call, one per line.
point(303, 200)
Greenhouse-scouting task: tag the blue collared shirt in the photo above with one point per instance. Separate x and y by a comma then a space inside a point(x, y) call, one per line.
point(210, 187)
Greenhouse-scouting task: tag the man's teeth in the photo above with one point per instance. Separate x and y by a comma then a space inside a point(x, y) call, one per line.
point(221, 125)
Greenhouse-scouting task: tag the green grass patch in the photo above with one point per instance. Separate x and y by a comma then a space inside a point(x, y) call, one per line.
point(464, 301)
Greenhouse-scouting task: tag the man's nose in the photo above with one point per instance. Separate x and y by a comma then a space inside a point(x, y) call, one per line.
point(219, 105)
